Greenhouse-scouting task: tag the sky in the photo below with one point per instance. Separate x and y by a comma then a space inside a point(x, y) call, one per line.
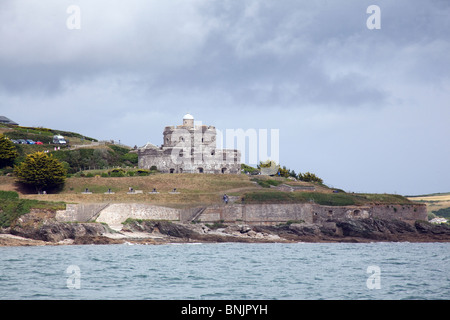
point(366, 109)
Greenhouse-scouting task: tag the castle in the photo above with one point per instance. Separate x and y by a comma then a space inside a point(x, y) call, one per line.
point(189, 148)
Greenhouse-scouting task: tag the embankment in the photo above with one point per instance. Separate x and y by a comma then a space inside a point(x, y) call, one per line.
point(142, 223)
point(252, 214)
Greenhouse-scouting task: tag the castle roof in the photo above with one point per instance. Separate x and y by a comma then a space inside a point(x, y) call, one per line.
point(188, 116)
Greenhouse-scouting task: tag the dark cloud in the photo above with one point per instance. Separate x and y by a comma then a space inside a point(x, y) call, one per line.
point(306, 67)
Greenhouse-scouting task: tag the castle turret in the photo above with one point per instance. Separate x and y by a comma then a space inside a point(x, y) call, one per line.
point(188, 120)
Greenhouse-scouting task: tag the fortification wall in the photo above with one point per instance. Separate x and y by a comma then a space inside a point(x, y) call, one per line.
point(117, 213)
point(254, 214)
point(82, 212)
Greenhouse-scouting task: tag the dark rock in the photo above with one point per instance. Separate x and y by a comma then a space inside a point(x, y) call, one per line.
point(96, 240)
point(52, 231)
point(429, 228)
point(305, 229)
point(175, 229)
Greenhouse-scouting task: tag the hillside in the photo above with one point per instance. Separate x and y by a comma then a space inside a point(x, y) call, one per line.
point(81, 152)
point(93, 165)
point(197, 189)
point(438, 204)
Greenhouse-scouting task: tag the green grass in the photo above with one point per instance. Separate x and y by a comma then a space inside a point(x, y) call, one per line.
point(328, 199)
point(267, 182)
point(11, 207)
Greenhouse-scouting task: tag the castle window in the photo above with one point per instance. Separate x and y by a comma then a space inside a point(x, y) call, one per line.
point(181, 139)
point(213, 152)
point(200, 170)
point(172, 170)
point(224, 169)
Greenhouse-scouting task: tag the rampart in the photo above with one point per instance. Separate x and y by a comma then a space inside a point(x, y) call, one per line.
point(252, 214)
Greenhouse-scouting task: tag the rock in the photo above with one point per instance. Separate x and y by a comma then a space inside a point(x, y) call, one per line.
point(175, 229)
point(52, 231)
point(305, 228)
point(96, 240)
point(425, 227)
point(251, 233)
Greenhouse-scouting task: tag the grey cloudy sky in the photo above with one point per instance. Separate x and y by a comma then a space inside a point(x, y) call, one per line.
point(366, 110)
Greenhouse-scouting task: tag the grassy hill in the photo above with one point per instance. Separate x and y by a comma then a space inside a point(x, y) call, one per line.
point(438, 204)
point(81, 153)
point(196, 190)
point(90, 164)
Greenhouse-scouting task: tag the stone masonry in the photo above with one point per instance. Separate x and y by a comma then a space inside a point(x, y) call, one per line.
point(189, 148)
point(253, 214)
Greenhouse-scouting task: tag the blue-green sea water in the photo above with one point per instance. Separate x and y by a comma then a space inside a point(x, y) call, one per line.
point(227, 271)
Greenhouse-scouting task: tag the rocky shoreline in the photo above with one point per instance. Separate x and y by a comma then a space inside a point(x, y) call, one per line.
point(41, 228)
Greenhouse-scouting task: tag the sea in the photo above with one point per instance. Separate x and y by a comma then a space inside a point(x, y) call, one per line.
point(230, 271)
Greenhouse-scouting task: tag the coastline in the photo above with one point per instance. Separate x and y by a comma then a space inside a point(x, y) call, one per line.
point(152, 232)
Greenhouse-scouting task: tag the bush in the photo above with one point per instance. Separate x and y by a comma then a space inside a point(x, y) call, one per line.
point(142, 172)
point(8, 152)
point(444, 212)
point(41, 171)
point(309, 177)
point(118, 172)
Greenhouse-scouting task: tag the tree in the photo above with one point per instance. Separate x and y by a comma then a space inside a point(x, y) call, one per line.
point(8, 152)
point(41, 171)
point(283, 172)
point(309, 177)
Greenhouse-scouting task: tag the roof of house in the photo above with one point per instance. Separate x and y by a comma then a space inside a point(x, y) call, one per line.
point(6, 120)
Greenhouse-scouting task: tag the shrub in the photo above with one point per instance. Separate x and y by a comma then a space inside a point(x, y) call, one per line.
point(142, 172)
point(309, 177)
point(41, 171)
point(118, 172)
point(8, 152)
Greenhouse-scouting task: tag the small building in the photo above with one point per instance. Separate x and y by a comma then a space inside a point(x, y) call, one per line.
point(189, 148)
point(5, 120)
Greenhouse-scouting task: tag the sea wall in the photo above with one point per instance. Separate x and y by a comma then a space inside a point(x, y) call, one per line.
point(253, 214)
point(117, 213)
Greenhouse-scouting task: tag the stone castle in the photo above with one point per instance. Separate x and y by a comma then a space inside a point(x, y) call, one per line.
point(189, 148)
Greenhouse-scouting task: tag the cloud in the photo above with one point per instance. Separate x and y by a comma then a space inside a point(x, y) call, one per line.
point(309, 68)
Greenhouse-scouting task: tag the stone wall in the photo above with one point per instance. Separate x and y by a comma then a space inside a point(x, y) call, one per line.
point(117, 213)
point(82, 212)
point(179, 160)
point(254, 214)
point(270, 214)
